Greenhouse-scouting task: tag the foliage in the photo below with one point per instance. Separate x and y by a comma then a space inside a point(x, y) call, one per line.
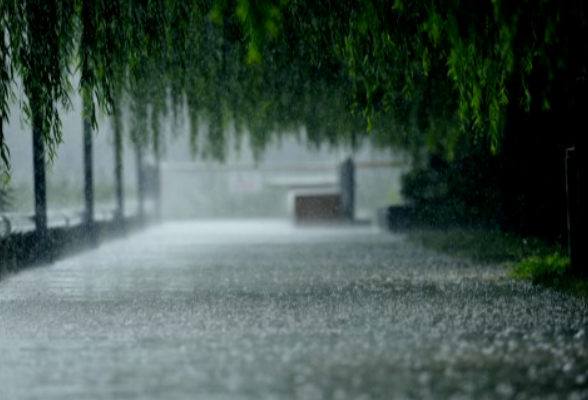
point(413, 74)
point(495, 54)
point(483, 245)
point(38, 44)
point(538, 268)
point(527, 258)
point(465, 191)
point(552, 270)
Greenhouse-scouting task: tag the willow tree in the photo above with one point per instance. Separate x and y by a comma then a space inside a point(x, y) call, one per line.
point(416, 75)
point(38, 43)
point(501, 80)
point(479, 59)
point(497, 88)
point(200, 53)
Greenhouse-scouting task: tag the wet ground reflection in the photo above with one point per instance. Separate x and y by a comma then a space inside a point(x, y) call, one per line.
point(261, 310)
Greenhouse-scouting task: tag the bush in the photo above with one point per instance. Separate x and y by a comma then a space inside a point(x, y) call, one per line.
point(542, 268)
point(532, 259)
point(463, 191)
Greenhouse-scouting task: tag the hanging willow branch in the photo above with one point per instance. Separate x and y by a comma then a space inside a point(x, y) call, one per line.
point(400, 73)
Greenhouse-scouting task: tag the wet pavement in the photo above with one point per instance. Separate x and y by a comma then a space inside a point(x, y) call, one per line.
point(261, 310)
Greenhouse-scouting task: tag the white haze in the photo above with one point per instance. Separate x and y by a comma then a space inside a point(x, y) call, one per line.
point(191, 187)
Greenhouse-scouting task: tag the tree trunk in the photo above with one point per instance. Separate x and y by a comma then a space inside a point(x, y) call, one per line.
point(118, 168)
point(40, 182)
point(88, 174)
point(140, 180)
point(157, 178)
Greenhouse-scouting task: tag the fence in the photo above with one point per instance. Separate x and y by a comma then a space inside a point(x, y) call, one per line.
point(21, 245)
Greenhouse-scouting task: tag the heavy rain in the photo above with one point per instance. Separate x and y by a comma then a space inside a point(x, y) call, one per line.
point(287, 199)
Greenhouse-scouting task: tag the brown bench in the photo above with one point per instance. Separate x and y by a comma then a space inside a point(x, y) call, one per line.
point(312, 205)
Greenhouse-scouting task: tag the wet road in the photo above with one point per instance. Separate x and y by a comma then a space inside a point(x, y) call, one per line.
point(264, 311)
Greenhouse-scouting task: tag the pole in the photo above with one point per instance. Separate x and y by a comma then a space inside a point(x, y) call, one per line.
point(572, 198)
point(579, 263)
point(347, 181)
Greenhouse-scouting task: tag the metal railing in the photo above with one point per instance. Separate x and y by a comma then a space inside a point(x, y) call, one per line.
point(19, 222)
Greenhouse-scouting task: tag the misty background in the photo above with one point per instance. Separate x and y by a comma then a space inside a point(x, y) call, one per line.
point(194, 187)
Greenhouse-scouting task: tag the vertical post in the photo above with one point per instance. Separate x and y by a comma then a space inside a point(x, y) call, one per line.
point(40, 180)
point(347, 181)
point(572, 197)
point(88, 173)
point(581, 268)
point(118, 168)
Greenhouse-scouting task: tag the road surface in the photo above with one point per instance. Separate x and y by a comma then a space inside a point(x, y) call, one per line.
point(262, 310)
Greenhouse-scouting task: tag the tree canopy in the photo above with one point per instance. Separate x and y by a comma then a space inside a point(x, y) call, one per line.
point(400, 73)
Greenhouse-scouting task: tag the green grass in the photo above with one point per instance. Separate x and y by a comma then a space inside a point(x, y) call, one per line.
point(527, 258)
point(553, 271)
